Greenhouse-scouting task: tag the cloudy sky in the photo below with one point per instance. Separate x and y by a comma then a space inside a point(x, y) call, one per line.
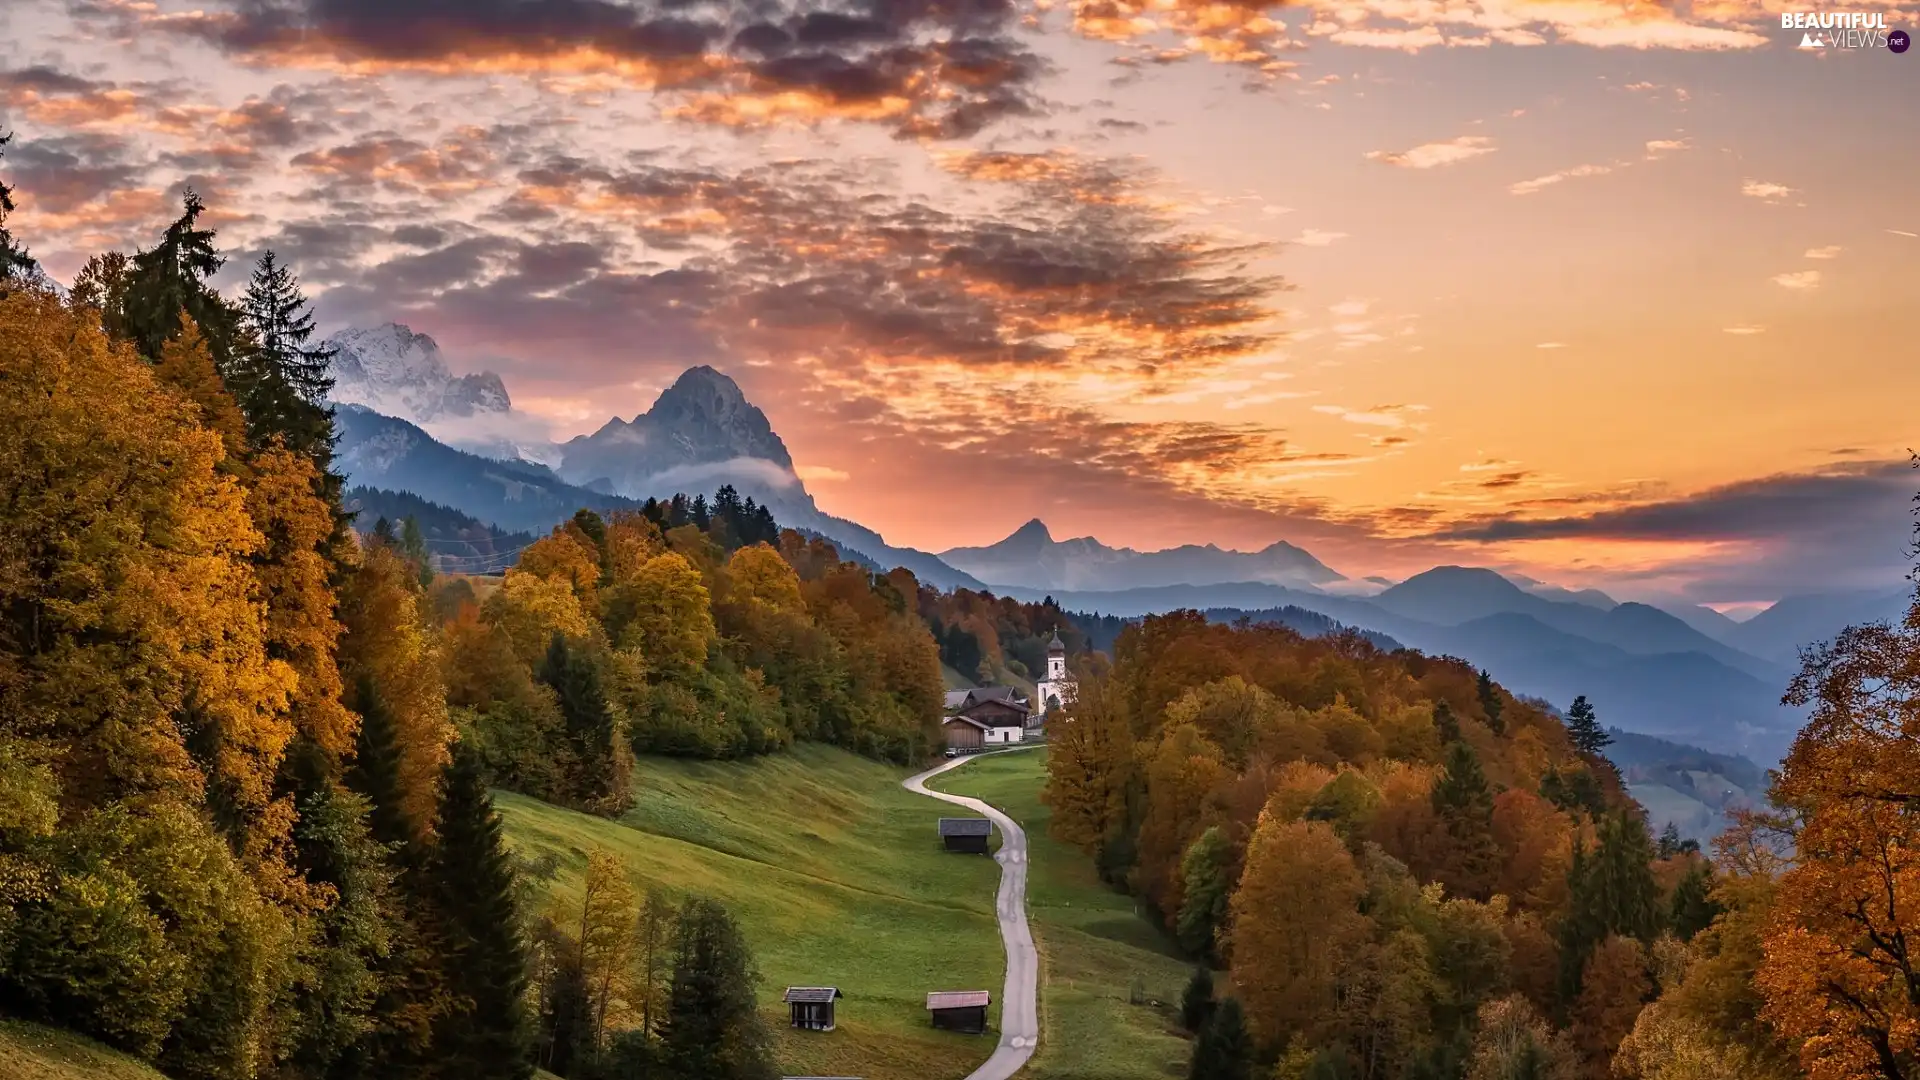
point(1612, 293)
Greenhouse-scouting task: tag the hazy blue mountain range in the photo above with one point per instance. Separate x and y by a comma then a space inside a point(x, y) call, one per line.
point(1031, 558)
point(1687, 674)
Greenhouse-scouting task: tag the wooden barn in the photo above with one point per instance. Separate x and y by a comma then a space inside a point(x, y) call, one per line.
point(985, 716)
point(964, 1011)
point(968, 834)
point(811, 1007)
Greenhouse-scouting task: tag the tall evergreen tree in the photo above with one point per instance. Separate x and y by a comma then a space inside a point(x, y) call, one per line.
point(713, 1029)
point(339, 979)
point(169, 279)
point(1611, 891)
point(1692, 908)
point(1584, 729)
point(1445, 724)
point(15, 263)
point(1490, 703)
point(1196, 1004)
point(413, 545)
point(486, 959)
point(1463, 801)
point(282, 381)
point(376, 769)
point(1224, 1050)
point(594, 732)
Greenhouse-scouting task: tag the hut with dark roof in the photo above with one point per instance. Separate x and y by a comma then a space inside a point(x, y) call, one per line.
point(968, 834)
point(960, 1010)
point(811, 1007)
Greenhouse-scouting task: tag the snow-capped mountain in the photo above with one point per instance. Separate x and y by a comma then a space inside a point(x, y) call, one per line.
point(397, 372)
point(1032, 558)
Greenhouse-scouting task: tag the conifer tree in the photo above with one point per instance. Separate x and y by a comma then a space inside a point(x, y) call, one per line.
point(413, 545)
point(15, 264)
point(1445, 724)
point(1196, 1004)
point(486, 959)
point(1612, 892)
point(1584, 729)
point(1490, 703)
point(169, 279)
point(283, 381)
point(1207, 892)
point(339, 981)
point(600, 772)
point(1224, 1050)
point(1692, 908)
point(713, 1029)
point(376, 768)
point(1463, 801)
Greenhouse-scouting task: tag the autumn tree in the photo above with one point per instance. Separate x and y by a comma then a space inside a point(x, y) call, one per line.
point(1181, 772)
point(1295, 917)
point(1089, 768)
point(664, 613)
point(387, 642)
point(1839, 978)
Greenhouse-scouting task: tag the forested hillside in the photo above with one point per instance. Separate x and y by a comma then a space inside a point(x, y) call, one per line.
point(1403, 871)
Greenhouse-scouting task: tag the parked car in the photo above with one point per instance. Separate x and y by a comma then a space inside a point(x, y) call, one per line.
point(953, 751)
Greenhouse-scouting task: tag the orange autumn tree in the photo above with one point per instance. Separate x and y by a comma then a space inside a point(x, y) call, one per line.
point(1295, 917)
point(1841, 976)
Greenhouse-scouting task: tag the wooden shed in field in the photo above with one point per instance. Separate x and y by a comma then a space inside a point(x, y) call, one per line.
point(964, 1011)
point(811, 1007)
point(968, 834)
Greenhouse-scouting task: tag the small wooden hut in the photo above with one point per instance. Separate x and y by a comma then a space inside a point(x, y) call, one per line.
point(964, 1011)
point(811, 1007)
point(968, 834)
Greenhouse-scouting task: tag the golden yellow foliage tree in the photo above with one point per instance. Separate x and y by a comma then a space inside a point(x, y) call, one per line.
point(1841, 978)
point(186, 364)
point(566, 556)
point(1182, 771)
point(632, 539)
point(758, 577)
point(1089, 765)
point(530, 609)
point(664, 612)
point(1296, 918)
point(387, 640)
point(301, 628)
point(132, 623)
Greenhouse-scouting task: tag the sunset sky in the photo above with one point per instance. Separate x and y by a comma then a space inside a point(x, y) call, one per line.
point(1615, 294)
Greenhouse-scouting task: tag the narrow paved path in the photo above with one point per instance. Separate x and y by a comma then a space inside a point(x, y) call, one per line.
point(1019, 1000)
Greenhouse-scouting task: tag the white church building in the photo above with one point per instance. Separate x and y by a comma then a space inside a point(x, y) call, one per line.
point(1058, 687)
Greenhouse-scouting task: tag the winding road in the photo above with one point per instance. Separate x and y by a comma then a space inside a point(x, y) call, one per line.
point(1019, 1000)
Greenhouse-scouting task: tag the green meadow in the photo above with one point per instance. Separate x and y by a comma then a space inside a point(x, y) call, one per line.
point(31, 1052)
point(837, 876)
point(1110, 979)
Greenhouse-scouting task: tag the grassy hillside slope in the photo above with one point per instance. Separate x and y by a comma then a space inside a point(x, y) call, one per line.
point(32, 1052)
point(1097, 953)
point(837, 876)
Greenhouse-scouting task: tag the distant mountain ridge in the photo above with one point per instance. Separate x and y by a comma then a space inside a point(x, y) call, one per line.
point(1031, 558)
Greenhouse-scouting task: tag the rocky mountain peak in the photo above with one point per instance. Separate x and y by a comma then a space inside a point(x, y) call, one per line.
point(396, 371)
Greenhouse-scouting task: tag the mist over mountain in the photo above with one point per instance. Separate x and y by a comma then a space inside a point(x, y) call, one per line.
point(1031, 558)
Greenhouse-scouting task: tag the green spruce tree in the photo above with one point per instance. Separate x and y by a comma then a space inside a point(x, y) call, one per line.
point(338, 979)
point(1445, 724)
point(1612, 891)
point(1224, 1050)
point(15, 264)
point(1693, 908)
point(1463, 801)
point(1196, 1004)
point(413, 546)
point(282, 381)
point(376, 770)
point(713, 1029)
point(486, 959)
point(170, 279)
point(1584, 729)
point(1490, 703)
point(593, 731)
